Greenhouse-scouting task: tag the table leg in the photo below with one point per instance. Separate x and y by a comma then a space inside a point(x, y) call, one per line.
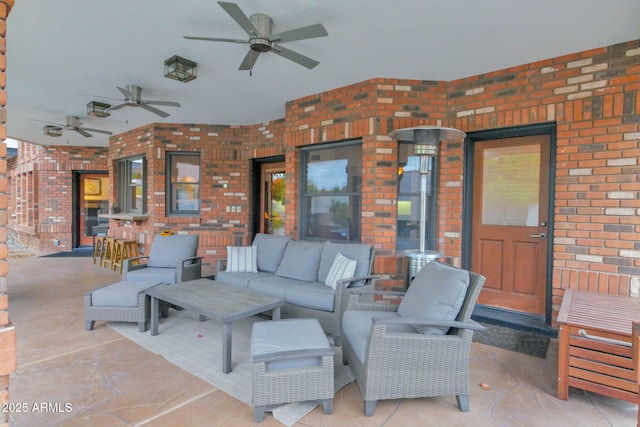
point(154, 315)
point(226, 348)
point(563, 362)
point(275, 314)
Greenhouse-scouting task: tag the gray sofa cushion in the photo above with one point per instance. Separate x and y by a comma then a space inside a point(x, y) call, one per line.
point(357, 251)
point(311, 295)
point(270, 250)
point(166, 251)
point(165, 275)
point(300, 260)
point(121, 294)
point(437, 292)
point(275, 286)
point(240, 280)
point(356, 327)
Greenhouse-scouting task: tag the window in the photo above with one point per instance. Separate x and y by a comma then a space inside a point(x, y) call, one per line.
point(183, 183)
point(132, 185)
point(408, 220)
point(331, 189)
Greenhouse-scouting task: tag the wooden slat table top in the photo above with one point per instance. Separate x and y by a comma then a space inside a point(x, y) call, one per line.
point(608, 313)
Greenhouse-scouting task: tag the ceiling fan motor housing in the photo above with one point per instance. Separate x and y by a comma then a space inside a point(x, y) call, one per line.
point(264, 24)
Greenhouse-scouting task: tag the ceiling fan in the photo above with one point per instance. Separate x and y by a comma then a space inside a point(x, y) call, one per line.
point(132, 98)
point(258, 27)
point(73, 123)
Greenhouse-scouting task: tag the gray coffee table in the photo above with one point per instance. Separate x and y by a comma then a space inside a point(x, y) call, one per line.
point(221, 302)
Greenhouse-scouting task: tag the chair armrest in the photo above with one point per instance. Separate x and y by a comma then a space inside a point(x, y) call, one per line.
point(189, 269)
point(221, 264)
point(473, 325)
point(132, 264)
point(367, 279)
point(292, 354)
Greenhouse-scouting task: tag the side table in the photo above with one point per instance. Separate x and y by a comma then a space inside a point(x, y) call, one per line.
point(598, 345)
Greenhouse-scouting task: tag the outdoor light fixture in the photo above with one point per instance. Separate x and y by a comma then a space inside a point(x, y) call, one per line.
point(180, 69)
point(426, 142)
point(98, 109)
point(51, 130)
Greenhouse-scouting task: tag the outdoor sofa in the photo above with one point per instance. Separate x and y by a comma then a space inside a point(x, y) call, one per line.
point(302, 272)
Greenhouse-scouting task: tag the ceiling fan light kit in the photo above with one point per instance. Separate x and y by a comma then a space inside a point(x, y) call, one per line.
point(52, 131)
point(98, 109)
point(181, 69)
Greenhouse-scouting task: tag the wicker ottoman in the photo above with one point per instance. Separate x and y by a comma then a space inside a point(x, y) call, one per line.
point(124, 301)
point(292, 362)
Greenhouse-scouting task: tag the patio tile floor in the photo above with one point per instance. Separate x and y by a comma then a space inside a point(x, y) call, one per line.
point(108, 380)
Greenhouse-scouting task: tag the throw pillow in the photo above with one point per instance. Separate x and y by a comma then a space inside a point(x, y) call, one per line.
point(437, 292)
point(342, 268)
point(242, 259)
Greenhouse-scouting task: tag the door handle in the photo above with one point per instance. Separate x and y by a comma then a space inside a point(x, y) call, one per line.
point(539, 236)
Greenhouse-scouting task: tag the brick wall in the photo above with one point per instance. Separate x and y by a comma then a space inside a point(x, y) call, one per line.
point(40, 192)
point(594, 97)
point(7, 330)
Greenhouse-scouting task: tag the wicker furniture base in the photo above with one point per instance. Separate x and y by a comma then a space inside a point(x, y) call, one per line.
point(292, 362)
point(138, 313)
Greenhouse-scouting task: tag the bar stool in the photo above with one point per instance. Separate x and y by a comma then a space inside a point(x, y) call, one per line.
point(124, 249)
point(108, 251)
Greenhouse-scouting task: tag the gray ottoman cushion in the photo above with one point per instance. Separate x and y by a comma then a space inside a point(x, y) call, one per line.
point(120, 294)
point(287, 335)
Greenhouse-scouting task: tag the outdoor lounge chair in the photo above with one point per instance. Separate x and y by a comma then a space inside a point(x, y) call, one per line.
point(419, 348)
point(172, 259)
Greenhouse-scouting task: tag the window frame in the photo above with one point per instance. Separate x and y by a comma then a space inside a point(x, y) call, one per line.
point(123, 171)
point(303, 221)
point(169, 184)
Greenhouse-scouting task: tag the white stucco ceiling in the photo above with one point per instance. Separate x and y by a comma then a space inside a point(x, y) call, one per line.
point(61, 54)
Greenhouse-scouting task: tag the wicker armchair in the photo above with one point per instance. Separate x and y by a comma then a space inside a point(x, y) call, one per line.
point(400, 362)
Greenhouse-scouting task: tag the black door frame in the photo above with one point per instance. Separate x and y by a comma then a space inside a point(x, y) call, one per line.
point(498, 315)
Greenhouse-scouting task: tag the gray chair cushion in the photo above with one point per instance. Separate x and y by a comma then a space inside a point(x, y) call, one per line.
point(240, 280)
point(165, 275)
point(166, 251)
point(360, 252)
point(300, 260)
point(311, 295)
point(270, 250)
point(275, 286)
point(437, 292)
point(121, 294)
point(356, 327)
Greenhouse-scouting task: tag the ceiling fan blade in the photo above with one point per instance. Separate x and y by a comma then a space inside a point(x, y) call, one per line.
point(249, 60)
point(296, 57)
point(154, 110)
point(117, 107)
point(126, 93)
point(82, 132)
point(239, 16)
point(106, 132)
point(216, 39)
point(302, 33)
point(168, 103)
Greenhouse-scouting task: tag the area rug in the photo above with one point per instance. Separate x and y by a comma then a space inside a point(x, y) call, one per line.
point(513, 339)
point(196, 347)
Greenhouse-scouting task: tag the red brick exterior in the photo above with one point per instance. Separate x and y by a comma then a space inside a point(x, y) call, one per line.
point(40, 192)
point(593, 97)
point(7, 330)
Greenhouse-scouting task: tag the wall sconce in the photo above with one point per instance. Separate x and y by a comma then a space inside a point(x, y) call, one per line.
point(98, 109)
point(180, 69)
point(51, 130)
